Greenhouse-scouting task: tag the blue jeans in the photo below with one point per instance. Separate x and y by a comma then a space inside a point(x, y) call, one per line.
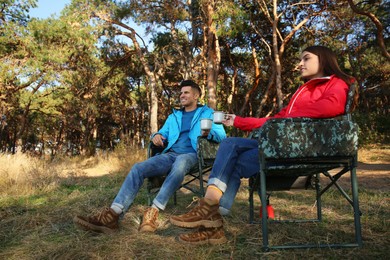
point(226, 202)
point(174, 165)
point(236, 158)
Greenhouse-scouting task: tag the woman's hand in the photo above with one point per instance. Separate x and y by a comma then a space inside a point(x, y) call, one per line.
point(229, 119)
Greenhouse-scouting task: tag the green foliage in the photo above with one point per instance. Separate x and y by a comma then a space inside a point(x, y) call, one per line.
point(15, 11)
point(80, 84)
point(374, 128)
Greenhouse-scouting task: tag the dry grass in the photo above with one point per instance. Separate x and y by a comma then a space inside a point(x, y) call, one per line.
point(39, 198)
point(374, 155)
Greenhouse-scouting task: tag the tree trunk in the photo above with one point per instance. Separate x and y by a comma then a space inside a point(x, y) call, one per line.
point(150, 75)
point(278, 66)
point(213, 53)
point(256, 82)
point(379, 26)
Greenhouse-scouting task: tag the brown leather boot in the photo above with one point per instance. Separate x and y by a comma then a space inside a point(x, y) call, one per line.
point(212, 236)
point(205, 214)
point(149, 221)
point(107, 221)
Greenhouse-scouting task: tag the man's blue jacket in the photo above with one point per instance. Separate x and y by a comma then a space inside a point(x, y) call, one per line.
point(172, 126)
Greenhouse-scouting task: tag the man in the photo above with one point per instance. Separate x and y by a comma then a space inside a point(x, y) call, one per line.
point(179, 133)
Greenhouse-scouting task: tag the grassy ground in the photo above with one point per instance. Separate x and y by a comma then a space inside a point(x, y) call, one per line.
point(38, 200)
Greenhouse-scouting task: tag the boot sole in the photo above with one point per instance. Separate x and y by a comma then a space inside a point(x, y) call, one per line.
point(196, 224)
point(217, 241)
point(147, 229)
point(91, 227)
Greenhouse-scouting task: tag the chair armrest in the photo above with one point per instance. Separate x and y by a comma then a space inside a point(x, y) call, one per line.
point(305, 137)
point(206, 150)
point(153, 149)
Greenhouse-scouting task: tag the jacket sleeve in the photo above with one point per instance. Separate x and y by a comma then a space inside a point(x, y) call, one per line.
point(164, 131)
point(217, 133)
point(331, 104)
point(249, 123)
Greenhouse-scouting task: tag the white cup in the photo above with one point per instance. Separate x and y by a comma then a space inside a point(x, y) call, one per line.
point(205, 123)
point(219, 116)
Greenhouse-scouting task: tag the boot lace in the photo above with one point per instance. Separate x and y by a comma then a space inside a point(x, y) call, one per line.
point(194, 200)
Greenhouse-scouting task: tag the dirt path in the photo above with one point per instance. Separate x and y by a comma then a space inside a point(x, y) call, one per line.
point(373, 171)
point(374, 176)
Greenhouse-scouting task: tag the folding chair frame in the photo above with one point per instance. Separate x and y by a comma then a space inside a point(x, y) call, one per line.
point(206, 151)
point(348, 164)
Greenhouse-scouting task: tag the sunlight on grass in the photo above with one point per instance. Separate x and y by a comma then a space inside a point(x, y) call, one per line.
point(39, 198)
point(374, 155)
point(23, 174)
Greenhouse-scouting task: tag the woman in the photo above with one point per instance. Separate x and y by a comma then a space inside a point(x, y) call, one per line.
point(323, 95)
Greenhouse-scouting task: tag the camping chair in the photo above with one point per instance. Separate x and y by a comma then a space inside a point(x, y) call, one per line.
point(295, 147)
point(206, 152)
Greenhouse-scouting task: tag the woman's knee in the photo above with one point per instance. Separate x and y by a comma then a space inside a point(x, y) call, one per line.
point(228, 142)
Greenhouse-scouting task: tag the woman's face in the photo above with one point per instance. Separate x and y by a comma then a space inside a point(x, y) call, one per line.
point(310, 66)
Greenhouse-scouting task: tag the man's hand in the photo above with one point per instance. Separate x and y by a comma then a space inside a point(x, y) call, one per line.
point(158, 140)
point(205, 133)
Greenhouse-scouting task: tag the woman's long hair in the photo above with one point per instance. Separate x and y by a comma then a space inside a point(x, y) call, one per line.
point(329, 66)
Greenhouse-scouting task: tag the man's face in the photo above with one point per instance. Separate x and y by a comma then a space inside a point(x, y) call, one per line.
point(188, 97)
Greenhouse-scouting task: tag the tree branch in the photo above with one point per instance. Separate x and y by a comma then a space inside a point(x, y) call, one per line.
point(378, 25)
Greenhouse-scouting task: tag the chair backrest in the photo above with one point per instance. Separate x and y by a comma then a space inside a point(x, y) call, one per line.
point(305, 137)
point(206, 150)
point(349, 103)
point(350, 97)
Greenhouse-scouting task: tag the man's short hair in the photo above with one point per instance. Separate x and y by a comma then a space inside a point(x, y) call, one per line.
point(192, 84)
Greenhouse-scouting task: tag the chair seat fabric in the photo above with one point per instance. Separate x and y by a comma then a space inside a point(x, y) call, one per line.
point(305, 138)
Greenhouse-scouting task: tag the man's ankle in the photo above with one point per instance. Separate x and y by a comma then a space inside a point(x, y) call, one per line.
point(155, 207)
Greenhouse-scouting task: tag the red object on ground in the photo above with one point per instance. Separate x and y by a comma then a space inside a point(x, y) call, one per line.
point(270, 212)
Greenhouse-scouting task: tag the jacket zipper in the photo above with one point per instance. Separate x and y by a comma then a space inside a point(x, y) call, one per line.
point(296, 96)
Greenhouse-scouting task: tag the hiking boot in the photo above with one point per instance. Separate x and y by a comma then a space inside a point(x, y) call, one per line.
point(107, 221)
point(212, 236)
point(204, 214)
point(149, 221)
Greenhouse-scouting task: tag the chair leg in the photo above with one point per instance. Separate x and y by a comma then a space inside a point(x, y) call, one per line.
point(357, 213)
point(334, 182)
point(318, 197)
point(264, 221)
point(149, 199)
point(201, 185)
point(149, 191)
point(251, 207)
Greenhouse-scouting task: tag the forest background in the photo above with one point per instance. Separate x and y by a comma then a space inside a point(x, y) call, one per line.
point(81, 92)
point(86, 80)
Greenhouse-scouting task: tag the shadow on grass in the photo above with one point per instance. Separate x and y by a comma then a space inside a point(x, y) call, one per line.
point(374, 167)
point(40, 226)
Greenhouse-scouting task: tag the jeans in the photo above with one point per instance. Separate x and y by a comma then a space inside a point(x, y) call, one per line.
point(227, 199)
point(236, 158)
point(174, 165)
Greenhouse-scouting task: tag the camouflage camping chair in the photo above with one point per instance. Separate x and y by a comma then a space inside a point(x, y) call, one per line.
point(194, 181)
point(296, 147)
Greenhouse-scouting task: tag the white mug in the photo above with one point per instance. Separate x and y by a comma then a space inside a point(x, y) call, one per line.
point(219, 116)
point(205, 123)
